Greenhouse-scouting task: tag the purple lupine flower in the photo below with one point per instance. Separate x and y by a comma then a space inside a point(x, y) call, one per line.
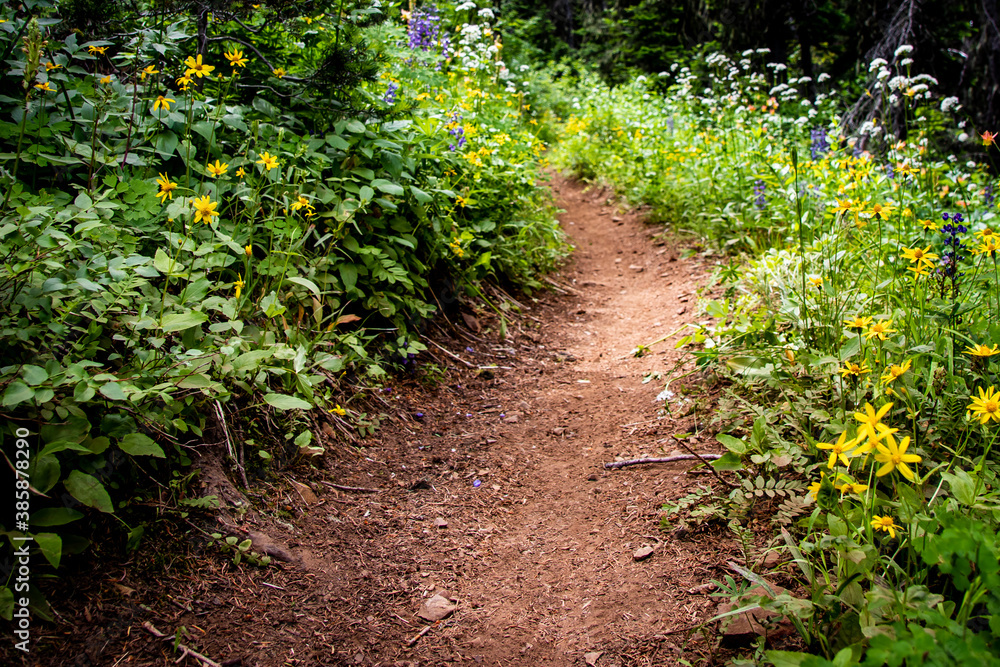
point(424, 30)
point(390, 93)
point(820, 146)
point(760, 201)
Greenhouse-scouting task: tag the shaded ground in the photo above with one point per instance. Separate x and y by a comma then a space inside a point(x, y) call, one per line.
point(489, 489)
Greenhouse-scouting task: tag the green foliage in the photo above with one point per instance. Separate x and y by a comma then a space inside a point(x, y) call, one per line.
point(179, 248)
point(858, 326)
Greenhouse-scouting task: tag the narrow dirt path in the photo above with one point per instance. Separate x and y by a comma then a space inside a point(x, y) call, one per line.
point(487, 488)
point(557, 577)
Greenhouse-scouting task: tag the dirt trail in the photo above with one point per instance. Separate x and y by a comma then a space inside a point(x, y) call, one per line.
point(491, 491)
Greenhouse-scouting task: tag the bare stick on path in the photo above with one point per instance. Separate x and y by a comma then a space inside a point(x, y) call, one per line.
point(666, 459)
point(185, 651)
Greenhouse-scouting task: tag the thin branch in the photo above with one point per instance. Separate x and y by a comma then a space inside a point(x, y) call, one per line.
point(185, 651)
point(666, 459)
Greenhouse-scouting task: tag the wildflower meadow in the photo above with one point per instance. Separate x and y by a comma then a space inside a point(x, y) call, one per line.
point(232, 209)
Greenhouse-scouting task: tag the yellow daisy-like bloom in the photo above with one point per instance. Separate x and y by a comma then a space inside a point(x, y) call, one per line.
point(162, 102)
point(45, 87)
point(166, 188)
point(241, 172)
point(148, 70)
point(983, 234)
point(894, 457)
point(338, 410)
point(185, 82)
point(921, 257)
point(852, 487)
point(460, 201)
point(988, 247)
point(197, 67)
point(49, 66)
point(248, 250)
point(929, 225)
point(918, 271)
point(859, 323)
point(856, 370)
point(106, 79)
point(269, 161)
point(301, 203)
point(817, 281)
point(885, 524)
point(880, 330)
point(235, 58)
point(982, 350)
point(239, 286)
point(881, 211)
point(95, 50)
point(204, 209)
point(986, 406)
point(870, 419)
point(840, 450)
point(894, 372)
point(279, 72)
point(217, 169)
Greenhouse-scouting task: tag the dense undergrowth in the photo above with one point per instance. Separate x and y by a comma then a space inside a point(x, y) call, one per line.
point(860, 317)
point(210, 213)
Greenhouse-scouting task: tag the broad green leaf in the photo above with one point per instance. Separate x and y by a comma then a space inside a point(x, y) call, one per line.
point(61, 446)
point(55, 516)
point(252, 359)
point(735, 445)
point(181, 321)
point(420, 195)
point(137, 444)
point(354, 126)
point(271, 305)
point(34, 375)
point(89, 491)
point(305, 282)
point(164, 263)
point(44, 472)
point(6, 603)
point(285, 402)
point(388, 187)
point(366, 193)
point(113, 391)
point(16, 393)
point(348, 275)
point(51, 546)
point(728, 461)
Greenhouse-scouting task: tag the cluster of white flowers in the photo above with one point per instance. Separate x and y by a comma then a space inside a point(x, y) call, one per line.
point(950, 104)
point(877, 63)
point(465, 6)
point(904, 50)
point(823, 77)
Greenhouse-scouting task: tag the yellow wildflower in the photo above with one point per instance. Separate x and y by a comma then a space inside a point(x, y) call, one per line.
point(162, 102)
point(197, 67)
point(894, 372)
point(248, 250)
point(338, 410)
point(204, 209)
point(922, 257)
point(241, 172)
point(880, 330)
point(95, 50)
point(978, 350)
point(852, 369)
point(279, 72)
point(45, 87)
point(184, 82)
point(840, 450)
point(870, 419)
point(49, 66)
point(885, 524)
point(148, 70)
point(239, 286)
point(166, 188)
point(894, 457)
point(236, 59)
point(217, 169)
point(859, 323)
point(269, 161)
point(986, 406)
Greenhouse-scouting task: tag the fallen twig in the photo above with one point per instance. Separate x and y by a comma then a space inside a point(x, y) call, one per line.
point(666, 459)
point(450, 354)
point(185, 651)
point(703, 457)
point(238, 459)
point(361, 489)
point(420, 634)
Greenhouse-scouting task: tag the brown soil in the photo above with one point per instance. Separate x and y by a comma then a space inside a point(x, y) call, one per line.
point(496, 497)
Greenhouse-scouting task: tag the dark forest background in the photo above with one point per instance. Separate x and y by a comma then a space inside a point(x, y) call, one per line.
point(957, 42)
